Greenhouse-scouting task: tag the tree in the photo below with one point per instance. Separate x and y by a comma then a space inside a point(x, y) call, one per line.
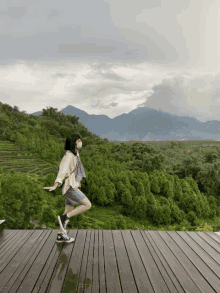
point(154, 185)
point(20, 194)
point(168, 189)
point(110, 194)
point(178, 193)
point(126, 198)
point(208, 178)
point(177, 215)
point(140, 207)
point(146, 184)
point(184, 202)
point(192, 218)
point(162, 215)
point(213, 204)
point(4, 122)
point(120, 189)
point(140, 189)
point(185, 186)
point(93, 192)
point(101, 196)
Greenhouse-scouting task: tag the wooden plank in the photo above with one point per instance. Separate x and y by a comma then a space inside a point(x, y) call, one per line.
point(83, 289)
point(12, 248)
point(102, 283)
point(134, 261)
point(214, 236)
point(193, 246)
point(59, 273)
point(20, 259)
point(4, 232)
point(80, 253)
point(7, 239)
point(111, 271)
point(89, 287)
point(4, 235)
point(175, 263)
point(141, 278)
point(55, 262)
point(82, 274)
point(157, 282)
point(27, 279)
point(168, 275)
point(46, 273)
point(88, 271)
point(124, 267)
point(214, 244)
point(95, 278)
point(206, 243)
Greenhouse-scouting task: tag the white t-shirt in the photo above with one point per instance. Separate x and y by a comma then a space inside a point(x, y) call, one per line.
point(76, 184)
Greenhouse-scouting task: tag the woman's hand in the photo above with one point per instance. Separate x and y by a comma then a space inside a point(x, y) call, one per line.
point(51, 188)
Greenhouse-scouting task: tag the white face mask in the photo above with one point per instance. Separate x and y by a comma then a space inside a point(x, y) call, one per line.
point(79, 144)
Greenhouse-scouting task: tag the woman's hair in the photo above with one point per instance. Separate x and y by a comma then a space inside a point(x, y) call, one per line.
point(70, 143)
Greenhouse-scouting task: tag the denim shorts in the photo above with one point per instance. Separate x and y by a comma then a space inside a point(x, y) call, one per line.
point(73, 196)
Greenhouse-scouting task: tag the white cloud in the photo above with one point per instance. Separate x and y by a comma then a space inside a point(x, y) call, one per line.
point(110, 60)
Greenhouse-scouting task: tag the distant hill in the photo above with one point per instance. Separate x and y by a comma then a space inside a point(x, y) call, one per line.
point(145, 124)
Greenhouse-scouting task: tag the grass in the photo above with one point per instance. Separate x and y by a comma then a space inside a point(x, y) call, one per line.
point(102, 216)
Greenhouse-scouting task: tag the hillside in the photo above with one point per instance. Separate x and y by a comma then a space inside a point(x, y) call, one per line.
point(169, 186)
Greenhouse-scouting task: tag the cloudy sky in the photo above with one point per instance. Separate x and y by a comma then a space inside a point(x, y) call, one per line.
point(111, 56)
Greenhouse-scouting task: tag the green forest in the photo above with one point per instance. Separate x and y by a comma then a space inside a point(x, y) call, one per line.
point(131, 185)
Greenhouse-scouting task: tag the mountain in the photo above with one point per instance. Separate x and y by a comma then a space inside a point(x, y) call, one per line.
point(145, 124)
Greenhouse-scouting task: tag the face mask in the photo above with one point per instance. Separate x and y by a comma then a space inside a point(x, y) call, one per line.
point(79, 144)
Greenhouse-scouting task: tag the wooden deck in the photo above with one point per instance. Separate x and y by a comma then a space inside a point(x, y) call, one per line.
point(112, 261)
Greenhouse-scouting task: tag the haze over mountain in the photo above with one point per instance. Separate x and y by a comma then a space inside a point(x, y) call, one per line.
point(145, 124)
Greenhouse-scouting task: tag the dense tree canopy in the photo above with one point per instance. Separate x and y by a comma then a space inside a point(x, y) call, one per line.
point(165, 187)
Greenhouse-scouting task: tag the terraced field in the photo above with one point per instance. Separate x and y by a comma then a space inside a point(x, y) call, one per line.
point(11, 158)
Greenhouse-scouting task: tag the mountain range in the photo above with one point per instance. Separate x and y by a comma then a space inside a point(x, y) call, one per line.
point(145, 124)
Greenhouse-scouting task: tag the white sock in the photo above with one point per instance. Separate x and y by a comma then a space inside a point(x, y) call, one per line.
point(61, 232)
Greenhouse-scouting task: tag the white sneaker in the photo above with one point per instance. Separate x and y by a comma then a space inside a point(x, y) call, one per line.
point(64, 238)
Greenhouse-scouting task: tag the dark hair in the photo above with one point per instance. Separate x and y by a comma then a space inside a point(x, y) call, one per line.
point(70, 143)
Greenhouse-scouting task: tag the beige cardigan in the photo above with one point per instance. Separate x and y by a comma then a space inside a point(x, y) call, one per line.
point(67, 166)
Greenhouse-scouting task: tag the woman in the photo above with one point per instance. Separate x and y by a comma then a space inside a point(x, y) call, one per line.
point(71, 171)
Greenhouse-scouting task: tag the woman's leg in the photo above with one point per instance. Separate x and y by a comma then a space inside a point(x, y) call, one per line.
point(68, 209)
point(85, 206)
